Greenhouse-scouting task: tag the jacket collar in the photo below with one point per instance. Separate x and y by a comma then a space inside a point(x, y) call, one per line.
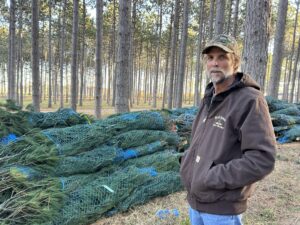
point(241, 80)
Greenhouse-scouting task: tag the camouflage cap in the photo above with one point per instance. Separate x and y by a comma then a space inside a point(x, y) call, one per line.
point(223, 41)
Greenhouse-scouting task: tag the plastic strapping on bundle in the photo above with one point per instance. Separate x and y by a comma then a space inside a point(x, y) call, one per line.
point(9, 138)
point(283, 140)
point(128, 117)
point(107, 188)
point(124, 155)
point(150, 170)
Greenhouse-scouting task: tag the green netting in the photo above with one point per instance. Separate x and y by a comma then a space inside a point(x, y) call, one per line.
point(276, 104)
point(105, 167)
point(284, 120)
point(92, 200)
point(87, 162)
point(177, 112)
point(104, 158)
point(290, 135)
point(292, 111)
point(278, 130)
point(136, 138)
point(150, 120)
point(163, 184)
point(61, 118)
point(79, 138)
point(161, 161)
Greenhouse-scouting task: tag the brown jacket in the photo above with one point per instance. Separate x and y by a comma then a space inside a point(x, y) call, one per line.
point(232, 146)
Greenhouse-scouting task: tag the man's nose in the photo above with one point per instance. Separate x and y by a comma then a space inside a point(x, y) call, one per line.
point(215, 62)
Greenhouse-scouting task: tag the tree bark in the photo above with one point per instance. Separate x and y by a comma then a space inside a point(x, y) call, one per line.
point(74, 56)
point(50, 56)
point(35, 55)
point(229, 17)
point(287, 83)
point(294, 74)
point(278, 49)
point(114, 56)
point(122, 82)
point(62, 53)
point(98, 89)
point(255, 52)
point(12, 52)
point(182, 60)
point(167, 60)
point(198, 60)
point(211, 18)
point(82, 55)
point(235, 20)
point(173, 54)
point(157, 58)
point(220, 17)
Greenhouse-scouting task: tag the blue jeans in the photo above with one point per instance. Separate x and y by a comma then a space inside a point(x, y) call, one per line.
point(200, 218)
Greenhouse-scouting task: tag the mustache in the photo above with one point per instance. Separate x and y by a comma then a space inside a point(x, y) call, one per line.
point(215, 70)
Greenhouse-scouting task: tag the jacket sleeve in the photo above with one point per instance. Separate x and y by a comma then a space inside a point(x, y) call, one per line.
point(258, 148)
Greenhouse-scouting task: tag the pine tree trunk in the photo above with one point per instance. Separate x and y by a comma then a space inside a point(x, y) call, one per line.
point(278, 49)
point(198, 60)
point(157, 58)
point(235, 20)
point(294, 74)
point(50, 56)
point(122, 79)
point(298, 89)
point(146, 84)
point(74, 56)
point(191, 76)
point(167, 62)
point(287, 84)
point(220, 17)
point(132, 49)
point(211, 18)
point(114, 56)
point(35, 55)
point(255, 52)
point(12, 52)
point(98, 88)
point(139, 75)
point(82, 55)
point(20, 60)
point(173, 54)
point(229, 17)
point(62, 53)
point(182, 61)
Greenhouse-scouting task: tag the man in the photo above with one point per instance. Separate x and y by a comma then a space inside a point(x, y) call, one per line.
point(233, 143)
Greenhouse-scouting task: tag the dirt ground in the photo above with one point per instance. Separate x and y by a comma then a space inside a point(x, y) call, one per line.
point(275, 202)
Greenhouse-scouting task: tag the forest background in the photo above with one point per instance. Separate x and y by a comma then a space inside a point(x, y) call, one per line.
point(119, 55)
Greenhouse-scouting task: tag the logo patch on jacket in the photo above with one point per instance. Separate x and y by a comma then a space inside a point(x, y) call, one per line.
point(219, 122)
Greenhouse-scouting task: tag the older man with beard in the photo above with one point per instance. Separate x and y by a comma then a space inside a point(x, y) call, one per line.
point(232, 144)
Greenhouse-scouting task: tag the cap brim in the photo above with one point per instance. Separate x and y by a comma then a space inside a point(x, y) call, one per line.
point(206, 49)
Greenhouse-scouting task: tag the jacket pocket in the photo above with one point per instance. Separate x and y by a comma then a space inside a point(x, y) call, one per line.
point(239, 194)
point(199, 188)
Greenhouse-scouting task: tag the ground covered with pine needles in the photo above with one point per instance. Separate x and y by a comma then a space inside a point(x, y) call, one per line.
point(276, 200)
